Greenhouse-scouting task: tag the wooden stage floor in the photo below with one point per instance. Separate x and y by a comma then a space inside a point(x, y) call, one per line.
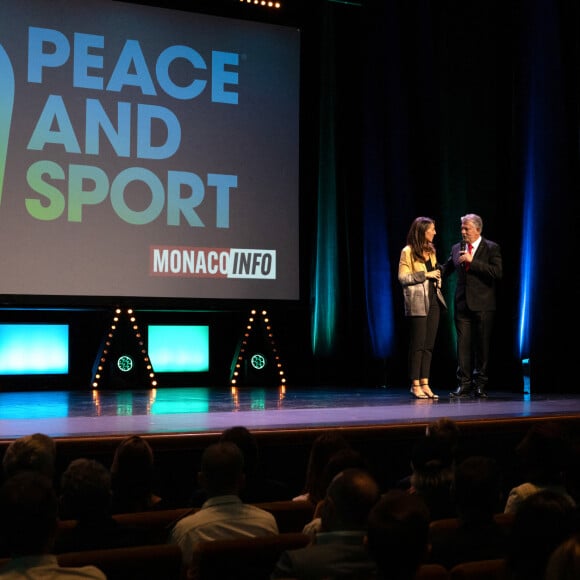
point(383, 423)
point(198, 410)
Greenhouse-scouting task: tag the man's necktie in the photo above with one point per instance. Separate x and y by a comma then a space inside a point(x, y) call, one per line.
point(470, 250)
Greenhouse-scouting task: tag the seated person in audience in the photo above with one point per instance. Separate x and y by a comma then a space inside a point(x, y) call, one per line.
point(132, 476)
point(564, 563)
point(542, 522)
point(343, 459)
point(446, 432)
point(432, 477)
point(478, 497)
point(543, 455)
point(323, 447)
point(85, 496)
point(28, 524)
point(257, 487)
point(338, 550)
point(223, 515)
point(36, 452)
point(397, 535)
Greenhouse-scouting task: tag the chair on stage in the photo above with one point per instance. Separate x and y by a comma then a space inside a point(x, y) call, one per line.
point(152, 562)
point(479, 570)
point(242, 558)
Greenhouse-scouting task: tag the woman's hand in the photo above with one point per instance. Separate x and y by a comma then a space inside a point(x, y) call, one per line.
point(434, 274)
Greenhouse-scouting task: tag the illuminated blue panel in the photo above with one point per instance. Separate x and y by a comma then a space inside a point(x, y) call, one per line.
point(179, 349)
point(125, 404)
point(33, 406)
point(189, 401)
point(34, 349)
point(258, 400)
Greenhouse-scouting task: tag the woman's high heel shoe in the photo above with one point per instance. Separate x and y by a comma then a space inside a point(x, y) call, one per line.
point(418, 393)
point(428, 392)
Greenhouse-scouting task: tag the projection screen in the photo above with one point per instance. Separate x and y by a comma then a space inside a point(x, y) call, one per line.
point(147, 152)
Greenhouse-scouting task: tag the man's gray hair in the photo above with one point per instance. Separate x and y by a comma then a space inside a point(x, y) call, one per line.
point(474, 219)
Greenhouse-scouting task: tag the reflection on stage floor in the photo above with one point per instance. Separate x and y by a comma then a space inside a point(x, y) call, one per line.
point(207, 410)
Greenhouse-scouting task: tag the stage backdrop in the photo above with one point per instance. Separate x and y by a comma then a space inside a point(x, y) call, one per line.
point(440, 109)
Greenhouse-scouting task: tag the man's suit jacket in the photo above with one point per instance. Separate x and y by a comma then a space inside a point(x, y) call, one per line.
point(476, 287)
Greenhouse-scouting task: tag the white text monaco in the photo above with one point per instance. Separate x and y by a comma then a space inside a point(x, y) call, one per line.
point(177, 261)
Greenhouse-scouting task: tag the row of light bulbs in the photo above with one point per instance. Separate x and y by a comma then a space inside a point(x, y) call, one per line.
point(109, 340)
point(243, 354)
point(153, 381)
point(264, 3)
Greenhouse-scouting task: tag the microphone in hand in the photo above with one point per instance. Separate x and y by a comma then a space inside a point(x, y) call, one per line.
point(462, 250)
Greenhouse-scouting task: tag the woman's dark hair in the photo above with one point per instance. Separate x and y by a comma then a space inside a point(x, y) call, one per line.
point(323, 448)
point(416, 237)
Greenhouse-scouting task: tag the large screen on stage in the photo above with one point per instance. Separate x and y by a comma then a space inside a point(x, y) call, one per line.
point(34, 349)
point(147, 152)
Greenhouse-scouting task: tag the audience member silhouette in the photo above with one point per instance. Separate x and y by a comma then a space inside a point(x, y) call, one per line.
point(323, 447)
point(36, 452)
point(543, 455)
point(446, 433)
point(542, 522)
point(432, 476)
point(341, 460)
point(338, 550)
point(564, 562)
point(257, 487)
point(29, 508)
point(397, 535)
point(86, 497)
point(478, 497)
point(132, 477)
point(223, 515)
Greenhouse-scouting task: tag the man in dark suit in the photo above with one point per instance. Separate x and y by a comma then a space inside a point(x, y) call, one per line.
point(478, 264)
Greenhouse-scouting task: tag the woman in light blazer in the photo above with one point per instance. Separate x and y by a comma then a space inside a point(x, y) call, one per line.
point(420, 277)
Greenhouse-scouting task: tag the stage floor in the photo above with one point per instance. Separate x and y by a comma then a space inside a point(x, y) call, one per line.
point(193, 410)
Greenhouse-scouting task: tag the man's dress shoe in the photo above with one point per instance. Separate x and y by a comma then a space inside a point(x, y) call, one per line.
point(460, 393)
point(480, 393)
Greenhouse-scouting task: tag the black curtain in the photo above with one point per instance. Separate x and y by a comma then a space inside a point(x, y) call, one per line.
point(443, 108)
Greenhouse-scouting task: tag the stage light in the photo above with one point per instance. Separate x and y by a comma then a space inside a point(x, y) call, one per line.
point(268, 4)
point(123, 361)
point(526, 374)
point(257, 362)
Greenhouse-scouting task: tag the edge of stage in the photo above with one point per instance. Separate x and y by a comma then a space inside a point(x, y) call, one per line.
point(179, 423)
point(198, 410)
